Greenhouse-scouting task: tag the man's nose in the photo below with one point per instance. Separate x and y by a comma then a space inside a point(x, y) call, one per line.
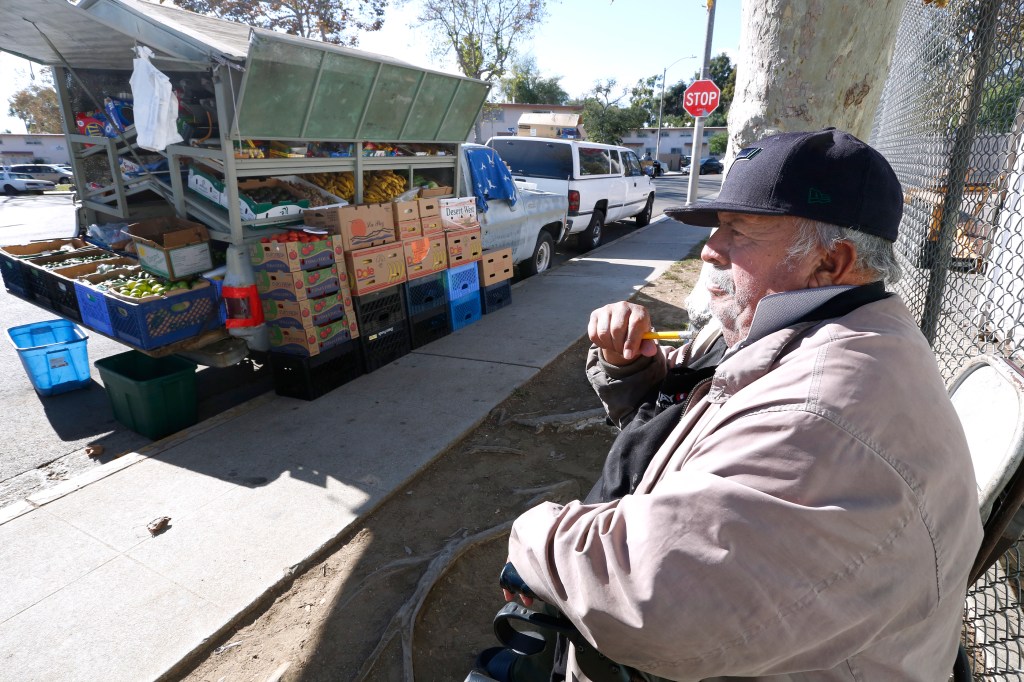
point(713, 250)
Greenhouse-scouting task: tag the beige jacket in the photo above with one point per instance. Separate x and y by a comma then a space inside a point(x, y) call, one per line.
point(812, 517)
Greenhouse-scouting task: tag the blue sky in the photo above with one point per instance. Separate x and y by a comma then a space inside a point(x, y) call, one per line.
point(581, 42)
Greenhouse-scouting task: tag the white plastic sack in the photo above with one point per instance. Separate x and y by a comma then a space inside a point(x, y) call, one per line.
point(154, 104)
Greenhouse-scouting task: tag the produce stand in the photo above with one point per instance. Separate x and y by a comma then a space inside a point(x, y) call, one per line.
point(253, 105)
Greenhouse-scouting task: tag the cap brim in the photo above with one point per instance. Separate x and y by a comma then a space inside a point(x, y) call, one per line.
point(705, 214)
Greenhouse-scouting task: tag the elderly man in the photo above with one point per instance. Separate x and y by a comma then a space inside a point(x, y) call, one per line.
point(800, 503)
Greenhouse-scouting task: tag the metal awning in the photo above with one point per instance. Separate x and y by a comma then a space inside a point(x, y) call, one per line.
point(299, 89)
point(293, 89)
point(101, 34)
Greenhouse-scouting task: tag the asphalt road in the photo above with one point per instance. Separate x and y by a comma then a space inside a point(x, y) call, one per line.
point(43, 440)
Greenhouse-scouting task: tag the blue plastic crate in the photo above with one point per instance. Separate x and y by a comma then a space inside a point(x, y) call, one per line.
point(54, 354)
point(425, 293)
point(462, 280)
point(92, 304)
point(165, 320)
point(465, 310)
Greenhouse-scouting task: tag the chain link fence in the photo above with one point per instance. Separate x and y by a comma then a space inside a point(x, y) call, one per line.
point(951, 122)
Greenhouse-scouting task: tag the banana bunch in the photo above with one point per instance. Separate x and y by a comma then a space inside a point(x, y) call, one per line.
point(381, 186)
point(339, 184)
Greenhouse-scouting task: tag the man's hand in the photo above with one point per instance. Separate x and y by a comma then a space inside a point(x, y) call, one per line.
point(616, 329)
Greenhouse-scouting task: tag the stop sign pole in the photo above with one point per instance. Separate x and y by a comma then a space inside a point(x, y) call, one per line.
point(698, 127)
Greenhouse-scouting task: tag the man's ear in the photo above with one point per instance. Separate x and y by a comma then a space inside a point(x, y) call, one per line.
point(838, 266)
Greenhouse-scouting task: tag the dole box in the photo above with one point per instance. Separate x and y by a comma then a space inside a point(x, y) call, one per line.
point(375, 268)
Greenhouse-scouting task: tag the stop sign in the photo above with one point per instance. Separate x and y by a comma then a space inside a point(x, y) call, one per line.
point(701, 98)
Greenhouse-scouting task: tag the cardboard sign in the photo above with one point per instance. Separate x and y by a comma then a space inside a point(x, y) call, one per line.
point(459, 213)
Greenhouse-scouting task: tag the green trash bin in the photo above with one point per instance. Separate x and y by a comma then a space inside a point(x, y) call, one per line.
point(151, 396)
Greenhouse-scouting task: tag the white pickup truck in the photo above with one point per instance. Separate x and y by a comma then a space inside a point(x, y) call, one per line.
point(603, 183)
point(530, 226)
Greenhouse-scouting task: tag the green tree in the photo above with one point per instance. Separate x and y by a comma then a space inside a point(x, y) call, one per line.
point(37, 108)
point(718, 143)
point(723, 73)
point(646, 96)
point(524, 85)
point(606, 121)
point(482, 34)
point(332, 21)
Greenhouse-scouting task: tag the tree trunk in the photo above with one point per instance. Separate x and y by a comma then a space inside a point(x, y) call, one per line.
point(807, 64)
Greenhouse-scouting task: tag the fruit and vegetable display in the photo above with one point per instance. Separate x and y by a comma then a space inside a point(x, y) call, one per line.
point(78, 260)
point(294, 236)
point(144, 285)
point(420, 181)
point(381, 186)
point(339, 184)
point(270, 195)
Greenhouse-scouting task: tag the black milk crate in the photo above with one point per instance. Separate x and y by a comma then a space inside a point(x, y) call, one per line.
point(384, 345)
point(465, 310)
point(380, 309)
point(308, 378)
point(64, 297)
point(462, 280)
point(425, 293)
point(13, 274)
point(430, 325)
point(496, 296)
point(37, 284)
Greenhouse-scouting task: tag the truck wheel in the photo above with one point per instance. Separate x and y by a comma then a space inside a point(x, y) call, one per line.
point(542, 255)
point(643, 218)
point(10, 190)
point(590, 238)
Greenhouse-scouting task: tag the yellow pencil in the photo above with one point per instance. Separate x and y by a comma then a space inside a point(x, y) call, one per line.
point(669, 336)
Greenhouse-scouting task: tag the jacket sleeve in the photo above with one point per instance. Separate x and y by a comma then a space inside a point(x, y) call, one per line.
point(623, 389)
point(758, 560)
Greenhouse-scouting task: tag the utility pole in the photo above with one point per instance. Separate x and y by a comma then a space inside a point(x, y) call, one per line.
point(697, 147)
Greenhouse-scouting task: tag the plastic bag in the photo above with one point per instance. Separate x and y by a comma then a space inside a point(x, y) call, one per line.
point(156, 106)
point(411, 195)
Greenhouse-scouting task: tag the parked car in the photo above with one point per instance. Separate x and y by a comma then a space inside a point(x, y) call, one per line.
point(16, 183)
point(710, 164)
point(44, 171)
point(603, 182)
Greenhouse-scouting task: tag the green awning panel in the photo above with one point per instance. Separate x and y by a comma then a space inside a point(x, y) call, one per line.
point(296, 89)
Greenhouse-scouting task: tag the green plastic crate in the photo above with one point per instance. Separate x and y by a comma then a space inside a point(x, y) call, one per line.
point(151, 396)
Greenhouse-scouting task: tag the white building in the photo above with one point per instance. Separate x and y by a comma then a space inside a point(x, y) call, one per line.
point(675, 142)
point(33, 148)
point(502, 119)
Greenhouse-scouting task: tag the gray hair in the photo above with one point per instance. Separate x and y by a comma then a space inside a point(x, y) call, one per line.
point(874, 254)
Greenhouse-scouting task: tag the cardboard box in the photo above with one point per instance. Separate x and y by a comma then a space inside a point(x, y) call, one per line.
point(291, 256)
point(429, 208)
point(409, 229)
point(458, 213)
point(405, 210)
point(431, 225)
point(435, 192)
point(495, 266)
point(425, 256)
point(171, 247)
point(375, 268)
point(299, 285)
point(311, 340)
point(256, 210)
point(359, 226)
point(310, 312)
point(464, 246)
point(206, 184)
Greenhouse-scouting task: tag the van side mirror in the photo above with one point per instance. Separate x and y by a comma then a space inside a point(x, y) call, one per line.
point(649, 170)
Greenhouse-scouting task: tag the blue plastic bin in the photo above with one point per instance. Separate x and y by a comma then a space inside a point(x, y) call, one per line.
point(54, 355)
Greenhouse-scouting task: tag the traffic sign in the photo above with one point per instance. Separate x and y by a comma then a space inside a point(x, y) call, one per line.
point(701, 98)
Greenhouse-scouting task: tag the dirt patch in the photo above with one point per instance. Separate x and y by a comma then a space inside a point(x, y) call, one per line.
point(422, 568)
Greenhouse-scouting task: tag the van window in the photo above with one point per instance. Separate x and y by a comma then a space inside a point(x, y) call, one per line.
point(594, 161)
point(535, 159)
point(632, 164)
point(616, 166)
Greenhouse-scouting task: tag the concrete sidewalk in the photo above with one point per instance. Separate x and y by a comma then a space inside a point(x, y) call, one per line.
point(255, 492)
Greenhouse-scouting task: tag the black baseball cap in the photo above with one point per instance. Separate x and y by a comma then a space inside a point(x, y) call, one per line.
point(828, 175)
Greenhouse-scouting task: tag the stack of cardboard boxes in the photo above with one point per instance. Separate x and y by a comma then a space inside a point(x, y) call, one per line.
point(308, 309)
point(398, 275)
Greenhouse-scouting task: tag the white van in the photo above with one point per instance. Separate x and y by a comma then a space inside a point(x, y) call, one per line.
point(602, 182)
